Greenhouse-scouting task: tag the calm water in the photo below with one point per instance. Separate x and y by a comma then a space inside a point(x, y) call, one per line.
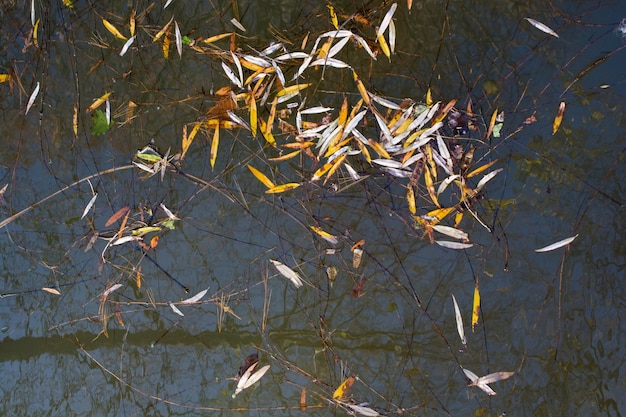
point(555, 319)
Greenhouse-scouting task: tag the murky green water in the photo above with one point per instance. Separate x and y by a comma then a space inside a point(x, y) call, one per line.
point(554, 318)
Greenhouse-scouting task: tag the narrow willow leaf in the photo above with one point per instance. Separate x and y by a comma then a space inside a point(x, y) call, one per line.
point(253, 114)
point(557, 245)
point(325, 235)
point(51, 291)
point(410, 197)
point(214, 145)
point(384, 46)
point(250, 377)
point(292, 89)
point(179, 39)
point(459, 321)
point(261, 177)
point(238, 25)
point(475, 306)
point(117, 215)
point(216, 38)
point(474, 378)
point(330, 62)
point(167, 3)
point(494, 377)
point(451, 232)
point(486, 179)
point(32, 98)
point(282, 188)
point(361, 87)
point(89, 205)
point(559, 118)
point(238, 65)
point(385, 23)
point(132, 22)
point(492, 122)
point(113, 30)
point(392, 36)
point(98, 102)
point(288, 273)
point(195, 298)
point(362, 410)
point(109, 290)
point(344, 388)
point(542, 27)
point(231, 76)
point(125, 239)
point(32, 12)
point(163, 30)
point(333, 16)
point(127, 45)
point(453, 245)
point(176, 310)
point(169, 214)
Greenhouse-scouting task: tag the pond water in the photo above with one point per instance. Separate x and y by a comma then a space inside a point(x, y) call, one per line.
point(102, 338)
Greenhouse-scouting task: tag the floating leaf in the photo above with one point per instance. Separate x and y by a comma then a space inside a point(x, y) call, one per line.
point(179, 39)
point(459, 321)
point(288, 273)
point(127, 45)
point(453, 245)
point(325, 235)
point(98, 102)
point(4, 78)
point(176, 310)
point(333, 16)
point(475, 306)
point(89, 205)
point(343, 389)
point(483, 381)
point(542, 27)
point(559, 118)
point(261, 177)
point(360, 409)
point(386, 20)
point(32, 98)
point(51, 290)
point(195, 298)
point(113, 30)
point(250, 377)
point(452, 232)
point(163, 30)
point(214, 145)
point(557, 245)
point(283, 187)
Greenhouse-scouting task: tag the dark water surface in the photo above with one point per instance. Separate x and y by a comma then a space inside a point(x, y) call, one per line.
point(555, 318)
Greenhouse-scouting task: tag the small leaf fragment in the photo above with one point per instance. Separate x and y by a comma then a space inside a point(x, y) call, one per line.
point(344, 388)
point(558, 118)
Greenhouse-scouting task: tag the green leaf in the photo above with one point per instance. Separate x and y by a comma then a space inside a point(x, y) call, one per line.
point(99, 123)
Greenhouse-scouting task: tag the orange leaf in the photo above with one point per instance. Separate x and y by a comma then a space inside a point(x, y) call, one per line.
point(343, 389)
point(154, 242)
point(116, 216)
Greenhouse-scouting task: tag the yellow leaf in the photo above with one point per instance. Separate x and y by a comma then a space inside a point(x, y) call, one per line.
point(292, 89)
point(343, 389)
point(336, 164)
point(325, 235)
point(410, 197)
point(270, 118)
point(166, 47)
point(267, 133)
point(75, 120)
point(4, 78)
point(429, 98)
point(379, 149)
point(361, 87)
point(187, 140)
point(98, 102)
point(217, 38)
point(343, 112)
point(35, 32)
point(282, 188)
point(113, 30)
point(430, 187)
point(492, 123)
point(284, 157)
point(253, 115)
point(559, 118)
point(323, 51)
point(333, 16)
point(321, 171)
point(481, 169)
point(162, 31)
point(439, 214)
point(132, 23)
point(261, 177)
point(214, 144)
point(476, 306)
point(384, 46)
point(138, 278)
point(457, 218)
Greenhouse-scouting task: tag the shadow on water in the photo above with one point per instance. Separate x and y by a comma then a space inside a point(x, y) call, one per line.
point(103, 311)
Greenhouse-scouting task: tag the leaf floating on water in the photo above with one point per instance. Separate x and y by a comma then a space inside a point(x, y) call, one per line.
point(127, 45)
point(179, 39)
point(89, 205)
point(32, 98)
point(325, 235)
point(542, 27)
point(214, 145)
point(250, 377)
point(113, 30)
point(98, 102)
point(344, 388)
point(360, 409)
point(557, 245)
point(51, 290)
point(109, 290)
point(176, 310)
point(475, 306)
point(386, 20)
point(238, 25)
point(453, 245)
point(459, 321)
point(282, 188)
point(559, 118)
point(288, 273)
point(261, 177)
point(484, 381)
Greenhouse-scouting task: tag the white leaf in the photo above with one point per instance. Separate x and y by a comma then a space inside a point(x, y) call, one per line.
point(364, 45)
point(195, 298)
point(364, 411)
point(542, 27)
point(353, 123)
point(386, 103)
point(337, 47)
point(89, 205)
point(231, 75)
point(167, 3)
point(389, 163)
point(451, 231)
point(250, 377)
point(329, 62)
point(453, 245)
point(239, 69)
point(32, 98)
point(32, 12)
point(351, 171)
point(125, 239)
point(316, 110)
point(168, 212)
point(487, 178)
point(386, 20)
point(238, 25)
point(392, 36)
point(444, 184)
point(459, 321)
point(494, 377)
point(383, 126)
point(110, 290)
point(127, 45)
point(557, 245)
point(176, 310)
point(292, 55)
point(237, 119)
point(288, 273)
point(179, 39)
